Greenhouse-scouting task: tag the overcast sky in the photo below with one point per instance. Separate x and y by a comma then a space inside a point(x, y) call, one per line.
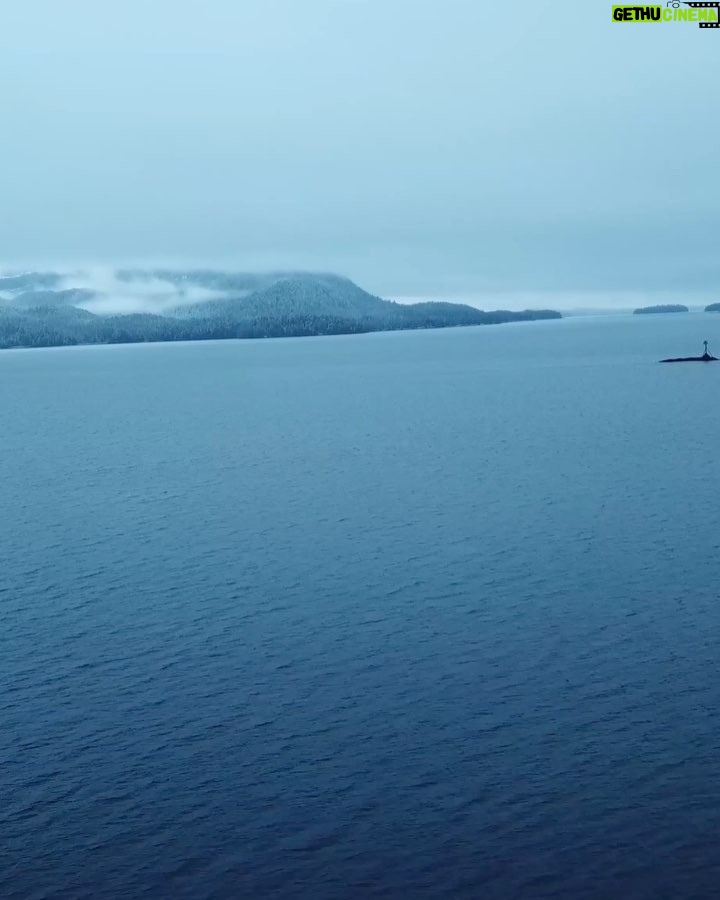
point(456, 148)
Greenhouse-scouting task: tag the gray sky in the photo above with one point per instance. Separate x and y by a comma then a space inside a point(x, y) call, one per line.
point(454, 148)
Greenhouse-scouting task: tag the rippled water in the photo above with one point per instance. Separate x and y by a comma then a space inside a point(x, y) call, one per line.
point(400, 615)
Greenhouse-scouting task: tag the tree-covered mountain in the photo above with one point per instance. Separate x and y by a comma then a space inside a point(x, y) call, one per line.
point(32, 314)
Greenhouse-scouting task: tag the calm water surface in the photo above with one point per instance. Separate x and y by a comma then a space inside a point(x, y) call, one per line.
point(399, 615)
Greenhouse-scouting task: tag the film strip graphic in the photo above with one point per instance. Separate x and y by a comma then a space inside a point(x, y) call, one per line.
point(715, 5)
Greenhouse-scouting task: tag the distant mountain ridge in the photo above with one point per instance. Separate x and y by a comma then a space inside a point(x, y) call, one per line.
point(44, 309)
point(662, 308)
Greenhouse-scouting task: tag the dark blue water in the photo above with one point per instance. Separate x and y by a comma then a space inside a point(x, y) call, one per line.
point(398, 615)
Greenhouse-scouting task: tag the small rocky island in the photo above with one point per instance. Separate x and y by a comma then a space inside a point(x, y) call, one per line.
point(667, 308)
point(713, 307)
point(706, 357)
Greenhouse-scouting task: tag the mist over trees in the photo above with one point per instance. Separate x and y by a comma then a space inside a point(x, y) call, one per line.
point(39, 310)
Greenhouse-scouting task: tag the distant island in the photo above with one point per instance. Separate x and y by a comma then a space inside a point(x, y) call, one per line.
point(48, 310)
point(667, 308)
point(713, 307)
